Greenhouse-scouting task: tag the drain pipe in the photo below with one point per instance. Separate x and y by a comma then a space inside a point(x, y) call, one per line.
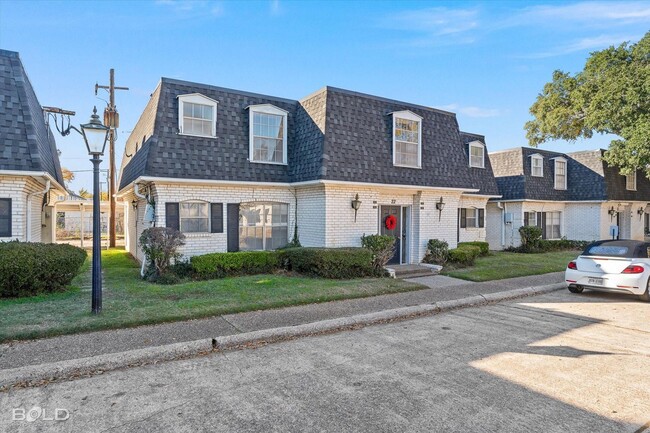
point(503, 222)
point(28, 212)
point(137, 193)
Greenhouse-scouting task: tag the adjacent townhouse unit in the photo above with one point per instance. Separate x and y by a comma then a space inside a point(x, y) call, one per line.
point(30, 174)
point(575, 195)
point(235, 170)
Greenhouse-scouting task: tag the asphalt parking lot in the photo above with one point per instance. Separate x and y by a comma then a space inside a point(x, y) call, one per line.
point(552, 363)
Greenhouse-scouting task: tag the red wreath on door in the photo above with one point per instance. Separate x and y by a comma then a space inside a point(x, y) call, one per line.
point(390, 222)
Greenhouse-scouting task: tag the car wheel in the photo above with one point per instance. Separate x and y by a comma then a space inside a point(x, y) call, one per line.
point(575, 289)
point(646, 295)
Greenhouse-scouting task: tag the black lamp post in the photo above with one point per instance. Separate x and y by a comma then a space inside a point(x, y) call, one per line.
point(95, 135)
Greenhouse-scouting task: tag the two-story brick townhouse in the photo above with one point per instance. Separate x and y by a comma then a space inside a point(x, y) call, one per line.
point(574, 195)
point(30, 174)
point(235, 170)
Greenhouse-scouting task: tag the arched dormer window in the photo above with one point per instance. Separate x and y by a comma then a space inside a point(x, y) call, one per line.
point(267, 134)
point(197, 115)
point(407, 139)
point(476, 154)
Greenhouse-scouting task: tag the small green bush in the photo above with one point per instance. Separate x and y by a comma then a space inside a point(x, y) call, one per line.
point(219, 265)
point(160, 246)
point(382, 247)
point(530, 237)
point(464, 255)
point(437, 252)
point(27, 269)
point(338, 263)
point(484, 247)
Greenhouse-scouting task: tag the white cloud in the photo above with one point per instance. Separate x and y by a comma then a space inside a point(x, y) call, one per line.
point(471, 111)
point(592, 43)
point(275, 7)
point(593, 12)
point(434, 26)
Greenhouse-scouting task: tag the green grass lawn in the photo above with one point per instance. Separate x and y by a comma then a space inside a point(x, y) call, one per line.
point(500, 265)
point(129, 301)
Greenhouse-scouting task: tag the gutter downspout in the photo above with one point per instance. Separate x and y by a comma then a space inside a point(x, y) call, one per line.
point(137, 193)
point(503, 222)
point(28, 213)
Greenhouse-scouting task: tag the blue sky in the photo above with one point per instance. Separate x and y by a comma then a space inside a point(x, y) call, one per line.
point(486, 61)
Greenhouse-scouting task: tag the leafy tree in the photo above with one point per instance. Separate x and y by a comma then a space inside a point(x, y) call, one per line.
point(83, 192)
point(610, 96)
point(68, 176)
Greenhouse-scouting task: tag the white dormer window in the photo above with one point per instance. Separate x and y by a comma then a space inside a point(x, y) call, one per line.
point(407, 139)
point(267, 134)
point(537, 165)
point(476, 154)
point(560, 173)
point(630, 181)
point(197, 115)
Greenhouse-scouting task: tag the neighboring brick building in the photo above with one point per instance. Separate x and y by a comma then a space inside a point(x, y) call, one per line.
point(574, 195)
point(235, 170)
point(30, 174)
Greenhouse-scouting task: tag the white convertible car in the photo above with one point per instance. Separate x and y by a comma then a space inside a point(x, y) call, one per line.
point(619, 266)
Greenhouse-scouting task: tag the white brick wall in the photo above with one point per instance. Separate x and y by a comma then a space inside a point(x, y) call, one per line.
point(473, 234)
point(582, 221)
point(17, 189)
point(325, 215)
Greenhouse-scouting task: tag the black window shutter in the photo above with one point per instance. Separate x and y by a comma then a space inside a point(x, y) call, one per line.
point(481, 217)
point(5, 217)
point(543, 224)
point(216, 217)
point(463, 218)
point(233, 226)
point(526, 219)
point(172, 219)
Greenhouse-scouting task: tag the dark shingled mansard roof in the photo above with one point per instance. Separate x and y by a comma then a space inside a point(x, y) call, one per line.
point(26, 142)
point(333, 134)
point(589, 178)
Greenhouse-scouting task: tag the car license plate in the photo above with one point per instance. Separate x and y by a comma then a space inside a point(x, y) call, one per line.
point(597, 281)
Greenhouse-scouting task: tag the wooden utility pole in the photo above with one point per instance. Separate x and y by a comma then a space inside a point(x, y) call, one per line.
point(112, 120)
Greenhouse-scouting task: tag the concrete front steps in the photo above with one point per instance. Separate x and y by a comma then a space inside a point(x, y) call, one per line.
point(412, 271)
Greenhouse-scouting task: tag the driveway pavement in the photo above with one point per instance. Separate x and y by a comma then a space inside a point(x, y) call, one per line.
point(553, 363)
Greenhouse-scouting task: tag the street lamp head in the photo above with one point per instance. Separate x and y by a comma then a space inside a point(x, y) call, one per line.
point(95, 134)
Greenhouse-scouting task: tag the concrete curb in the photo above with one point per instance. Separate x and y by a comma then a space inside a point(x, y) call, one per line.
point(35, 375)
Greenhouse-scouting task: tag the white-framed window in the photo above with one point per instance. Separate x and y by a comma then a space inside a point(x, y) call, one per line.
point(537, 165)
point(194, 217)
point(530, 218)
point(263, 226)
point(560, 173)
point(267, 134)
point(472, 217)
point(476, 154)
point(407, 139)
point(553, 225)
point(630, 181)
point(197, 115)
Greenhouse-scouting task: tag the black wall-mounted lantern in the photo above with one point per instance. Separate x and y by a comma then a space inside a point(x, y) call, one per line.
point(356, 204)
point(611, 212)
point(440, 205)
point(640, 211)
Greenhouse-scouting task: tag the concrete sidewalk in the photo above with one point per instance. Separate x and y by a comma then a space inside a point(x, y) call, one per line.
point(79, 346)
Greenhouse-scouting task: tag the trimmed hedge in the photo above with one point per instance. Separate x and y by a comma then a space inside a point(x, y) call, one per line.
point(338, 263)
point(382, 247)
point(483, 246)
point(464, 255)
point(219, 265)
point(437, 252)
point(27, 269)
